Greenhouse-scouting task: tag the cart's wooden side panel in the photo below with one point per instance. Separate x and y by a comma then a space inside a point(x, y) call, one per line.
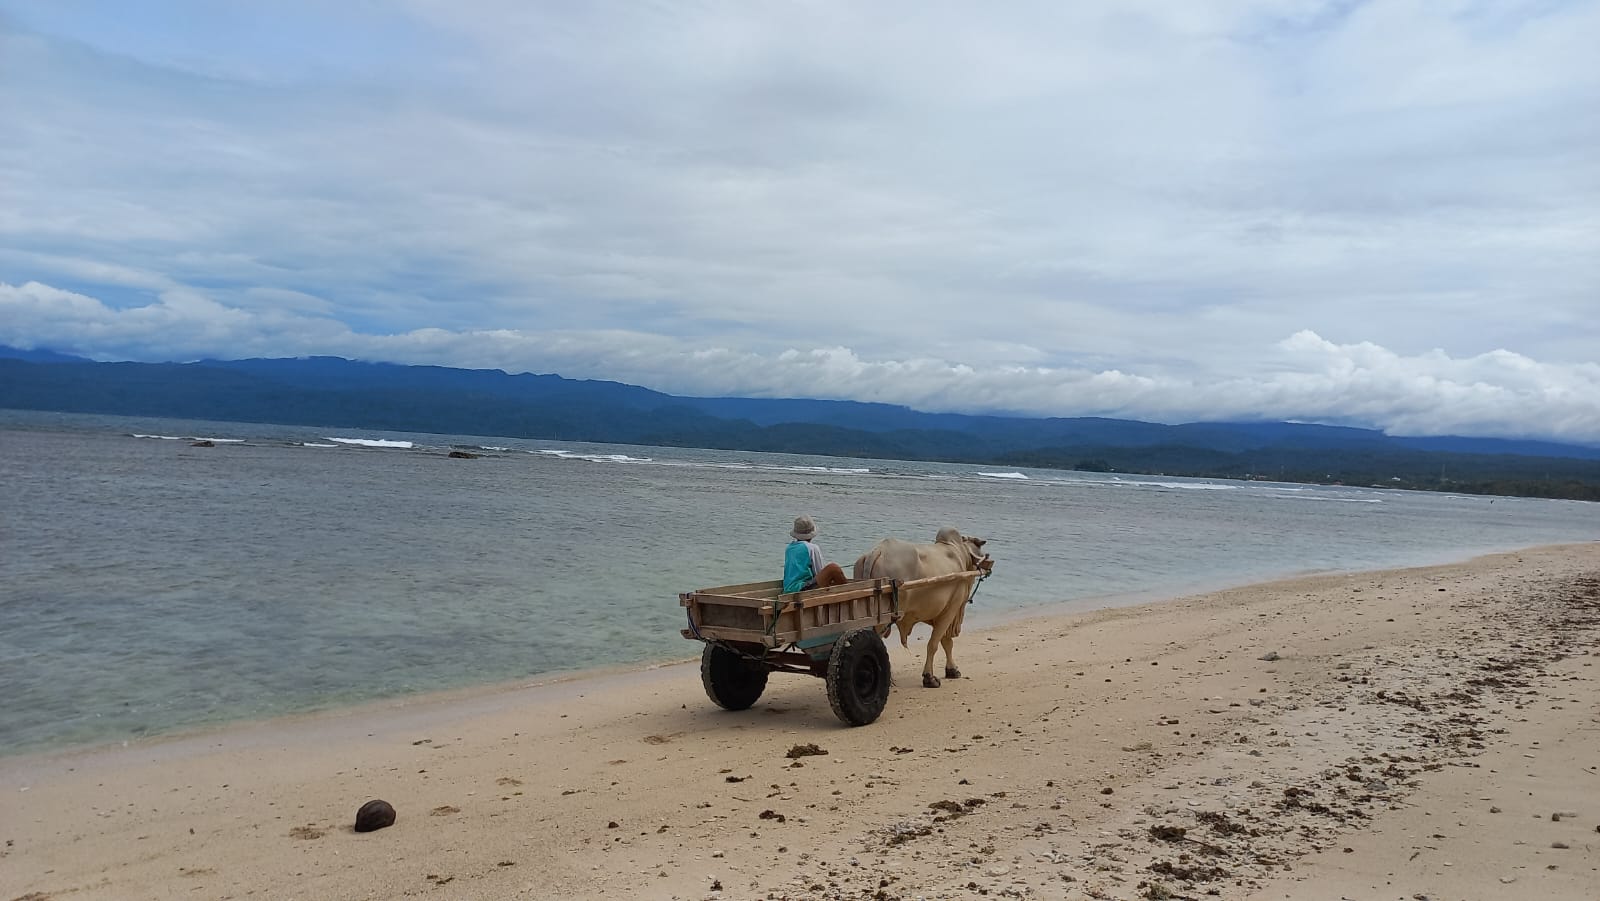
point(843, 611)
point(855, 606)
point(744, 613)
point(771, 591)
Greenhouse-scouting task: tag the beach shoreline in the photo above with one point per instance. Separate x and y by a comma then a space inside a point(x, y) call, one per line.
point(1049, 766)
point(479, 698)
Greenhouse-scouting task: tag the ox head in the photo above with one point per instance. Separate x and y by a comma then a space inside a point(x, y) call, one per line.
point(969, 545)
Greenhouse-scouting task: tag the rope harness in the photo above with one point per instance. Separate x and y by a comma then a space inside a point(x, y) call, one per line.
point(777, 611)
point(984, 574)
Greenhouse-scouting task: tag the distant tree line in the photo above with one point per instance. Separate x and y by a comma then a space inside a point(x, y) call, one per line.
point(336, 393)
point(1416, 471)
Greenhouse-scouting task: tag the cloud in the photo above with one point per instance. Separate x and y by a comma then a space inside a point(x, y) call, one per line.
point(1118, 208)
point(1310, 379)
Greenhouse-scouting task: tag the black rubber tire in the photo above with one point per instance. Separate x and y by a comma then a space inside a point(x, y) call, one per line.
point(732, 682)
point(858, 677)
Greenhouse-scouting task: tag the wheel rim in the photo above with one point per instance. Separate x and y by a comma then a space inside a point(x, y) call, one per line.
point(864, 681)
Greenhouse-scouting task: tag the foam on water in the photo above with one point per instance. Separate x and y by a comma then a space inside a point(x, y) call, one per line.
point(592, 458)
point(707, 464)
point(192, 438)
point(374, 442)
point(1004, 475)
point(1187, 486)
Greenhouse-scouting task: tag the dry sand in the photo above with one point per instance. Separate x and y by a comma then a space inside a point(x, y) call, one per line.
point(1421, 733)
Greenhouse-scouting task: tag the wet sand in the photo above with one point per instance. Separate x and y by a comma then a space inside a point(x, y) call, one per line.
point(1388, 735)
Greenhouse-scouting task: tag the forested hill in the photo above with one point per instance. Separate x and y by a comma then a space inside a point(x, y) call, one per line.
point(330, 391)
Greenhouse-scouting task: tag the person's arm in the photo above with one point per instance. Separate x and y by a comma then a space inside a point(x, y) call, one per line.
point(817, 562)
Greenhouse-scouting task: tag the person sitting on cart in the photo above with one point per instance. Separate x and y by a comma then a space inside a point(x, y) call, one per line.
point(803, 566)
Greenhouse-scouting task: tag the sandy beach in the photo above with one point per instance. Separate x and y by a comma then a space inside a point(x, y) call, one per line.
point(1421, 733)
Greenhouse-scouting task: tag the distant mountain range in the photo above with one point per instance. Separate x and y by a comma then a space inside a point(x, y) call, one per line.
point(332, 391)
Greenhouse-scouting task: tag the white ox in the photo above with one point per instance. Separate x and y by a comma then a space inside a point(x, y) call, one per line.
point(942, 605)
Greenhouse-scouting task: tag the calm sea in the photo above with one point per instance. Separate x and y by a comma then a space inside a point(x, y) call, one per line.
point(148, 585)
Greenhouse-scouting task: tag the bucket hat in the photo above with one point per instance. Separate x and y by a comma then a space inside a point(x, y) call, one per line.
point(804, 529)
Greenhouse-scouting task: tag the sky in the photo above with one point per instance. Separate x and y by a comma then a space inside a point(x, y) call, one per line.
point(1382, 214)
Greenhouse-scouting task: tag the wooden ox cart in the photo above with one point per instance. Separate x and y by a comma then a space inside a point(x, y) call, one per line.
point(836, 634)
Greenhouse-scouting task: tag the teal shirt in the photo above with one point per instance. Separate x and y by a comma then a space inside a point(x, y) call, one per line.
point(797, 566)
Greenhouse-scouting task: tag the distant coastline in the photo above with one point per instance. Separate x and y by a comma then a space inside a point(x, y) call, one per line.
point(330, 392)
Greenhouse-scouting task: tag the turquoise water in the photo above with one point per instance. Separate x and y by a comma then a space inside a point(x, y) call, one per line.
point(148, 585)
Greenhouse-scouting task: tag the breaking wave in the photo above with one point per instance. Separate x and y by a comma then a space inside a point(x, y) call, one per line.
point(373, 442)
point(592, 458)
point(1189, 486)
point(192, 438)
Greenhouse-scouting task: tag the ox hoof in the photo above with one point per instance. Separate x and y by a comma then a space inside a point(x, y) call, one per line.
point(951, 672)
point(929, 680)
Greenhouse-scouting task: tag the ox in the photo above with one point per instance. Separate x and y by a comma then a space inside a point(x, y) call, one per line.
point(942, 605)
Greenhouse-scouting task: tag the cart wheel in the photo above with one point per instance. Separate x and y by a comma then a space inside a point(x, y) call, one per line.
point(732, 681)
point(858, 677)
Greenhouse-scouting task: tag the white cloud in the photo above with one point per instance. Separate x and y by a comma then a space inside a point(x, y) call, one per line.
point(1117, 208)
point(1305, 377)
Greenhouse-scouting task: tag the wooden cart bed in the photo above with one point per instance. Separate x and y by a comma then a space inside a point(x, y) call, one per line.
point(745, 613)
